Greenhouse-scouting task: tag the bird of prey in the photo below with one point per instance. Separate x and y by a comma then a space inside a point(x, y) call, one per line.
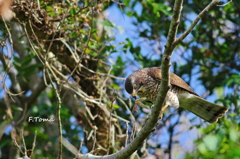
point(145, 83)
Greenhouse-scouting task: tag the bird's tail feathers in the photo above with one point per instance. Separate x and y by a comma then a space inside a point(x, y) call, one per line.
point(208, 111)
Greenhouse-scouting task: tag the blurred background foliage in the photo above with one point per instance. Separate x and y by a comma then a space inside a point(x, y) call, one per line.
point(89, 47)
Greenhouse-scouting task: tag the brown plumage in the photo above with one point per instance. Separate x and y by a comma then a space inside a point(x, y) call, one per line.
point(146, 84)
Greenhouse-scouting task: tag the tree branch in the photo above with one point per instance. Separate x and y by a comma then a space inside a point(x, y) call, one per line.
point(200, 15)
point(7, 65)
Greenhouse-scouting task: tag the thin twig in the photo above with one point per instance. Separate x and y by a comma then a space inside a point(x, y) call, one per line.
point(59, 124)
point(125, 120)
point(70, 147)
point(126, 141)
point(132, 116)
point(34, 141)
point(224, 4)
point(23, 115)
point(9, 34)
point(16, 144)
point(30, 42)
point(109, 128)
point(24, 144)
point(94, 138)
point(40, 57)
point(58, 111)
point(104, 84)
point(7, 64)
point(80, 145)
point(8, 110)
point(90, 114)
point(90, 135)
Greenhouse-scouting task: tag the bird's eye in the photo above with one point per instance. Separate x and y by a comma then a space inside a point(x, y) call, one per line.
point(134, 86)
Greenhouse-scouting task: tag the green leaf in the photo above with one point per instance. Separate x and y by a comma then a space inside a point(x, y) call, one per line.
point(49, 8)
point(29, 70)
point(233, 134)
point(92, 47)
point(72, 11)
point(93, 54)
point(73, 35)
point(129, 13)
point(114, 86)
point(127, 2)
point(27, 60)
point(16, 59)
point(162, 8)
point(232, 80)
point(21, 41)
point(18, 67)
point(211, 142)
point(116, 106)
point(107, 23)
point(219, 91)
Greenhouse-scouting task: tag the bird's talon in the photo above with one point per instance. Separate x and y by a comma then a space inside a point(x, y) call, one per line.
point(161, 115)
point(162, 111)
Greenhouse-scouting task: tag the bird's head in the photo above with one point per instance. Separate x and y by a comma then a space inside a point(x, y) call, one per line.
point(134, 85)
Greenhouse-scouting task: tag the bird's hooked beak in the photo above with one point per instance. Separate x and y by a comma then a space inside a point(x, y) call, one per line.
point(134, 94)
point(135, 91)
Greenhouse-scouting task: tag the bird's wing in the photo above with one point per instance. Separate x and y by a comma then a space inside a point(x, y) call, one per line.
point(155, 73)
point(208, 111)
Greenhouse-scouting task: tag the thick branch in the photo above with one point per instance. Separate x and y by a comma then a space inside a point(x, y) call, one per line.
point(167, 55)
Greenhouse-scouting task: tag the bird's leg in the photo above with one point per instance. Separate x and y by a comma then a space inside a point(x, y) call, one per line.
point(139, 102)
point(162, 110)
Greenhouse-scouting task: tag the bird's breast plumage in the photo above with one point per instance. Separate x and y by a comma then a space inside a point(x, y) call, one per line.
point(151, 89)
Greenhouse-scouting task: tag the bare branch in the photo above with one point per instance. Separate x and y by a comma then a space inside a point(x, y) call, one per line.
point(34, 141)
point(224, 4)
point(24, 144)
point(27, 153)
point(16, 144)
point(126, 141)
point(7, 64)
point(59, 101)
point(200, 15)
